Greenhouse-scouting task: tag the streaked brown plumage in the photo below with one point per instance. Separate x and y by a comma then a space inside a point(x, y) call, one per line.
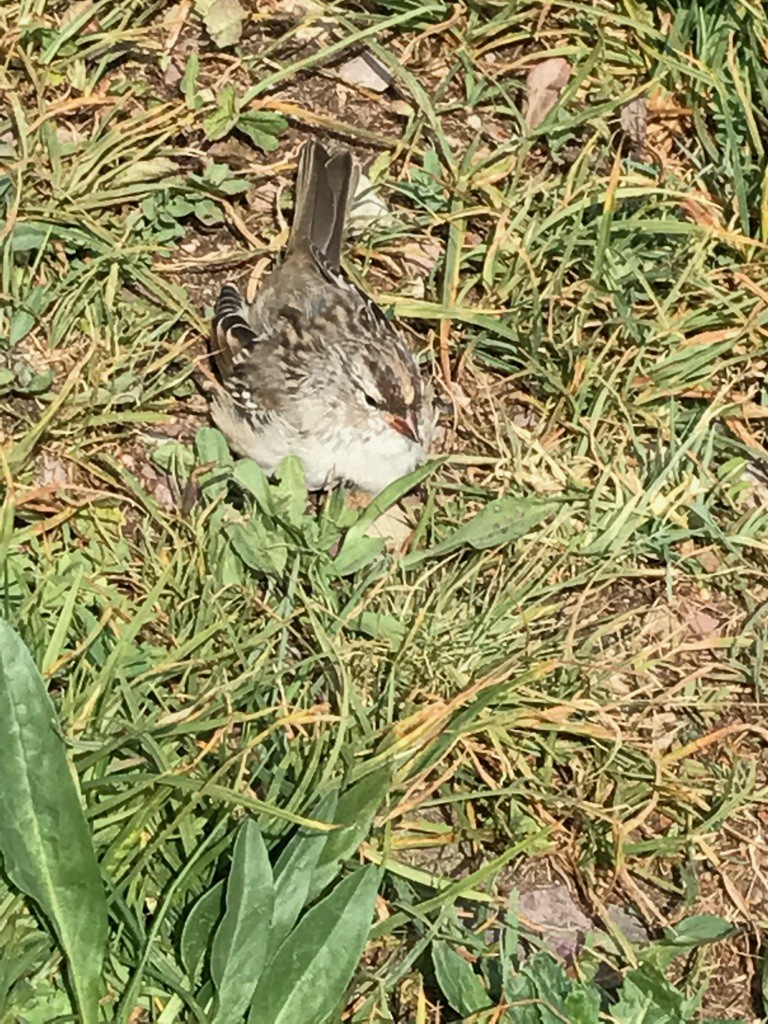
point(312, 367)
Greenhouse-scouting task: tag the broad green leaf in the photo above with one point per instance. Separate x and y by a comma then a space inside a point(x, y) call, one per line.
point(698, 930)
point(36, 383)
point(380, 625)
point(263, 128)
point(355, 811)
point(211, 446)
point(646, 997)
point(44, 838)
point(199, 928)
point(175, 458)
point(458, 982)
point(290, 493)
point(294, 870)
point(358, 549)
point(355, 553)
point(231, 187)
point(223, 119)
point(309, 974)
point(208, 212)
point(499, 522)
point(25, 318)
point(252, 478)
point(688, 934)
point(43, 1006)
point(582, 1004)
point(189, 82)
point(241, 942)
point(220, 178)
point(540, 992)
point(261, 549)
point(27, 235)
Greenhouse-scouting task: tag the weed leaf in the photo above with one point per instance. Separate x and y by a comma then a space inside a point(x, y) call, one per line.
point(294, 870)
point(240, 944)
point(311, 970)
point(499, 522)
point(44, 838)
point(458, 982)
point(647, 997)
point(355, 811)
point(199, 928)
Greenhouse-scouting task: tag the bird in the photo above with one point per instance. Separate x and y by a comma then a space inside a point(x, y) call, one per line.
point(312, 367)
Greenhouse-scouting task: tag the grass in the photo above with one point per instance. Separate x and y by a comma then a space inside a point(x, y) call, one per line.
point(567, 667)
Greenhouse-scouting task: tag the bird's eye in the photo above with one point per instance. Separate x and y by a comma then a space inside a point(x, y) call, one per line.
point(372, 402)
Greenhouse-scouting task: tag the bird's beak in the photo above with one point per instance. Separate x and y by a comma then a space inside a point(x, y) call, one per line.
point(405, 425)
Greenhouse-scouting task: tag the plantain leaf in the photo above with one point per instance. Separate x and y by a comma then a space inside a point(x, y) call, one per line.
point(198, 928)
point(291, 491)
point(358, 549)
point(210, 446)
point(355, 812)
point(240, 944)
point(252, 478)
point(224, 117)
point(260, 549)
point(294, 871)
point(310, 972)
point(45, 841)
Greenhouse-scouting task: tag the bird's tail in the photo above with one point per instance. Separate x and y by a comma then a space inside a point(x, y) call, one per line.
point(324, 187)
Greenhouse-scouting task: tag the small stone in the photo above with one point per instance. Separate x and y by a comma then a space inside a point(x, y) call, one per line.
point(367, 72)
point(545, 82)
point(634, 122)
point(367, 207)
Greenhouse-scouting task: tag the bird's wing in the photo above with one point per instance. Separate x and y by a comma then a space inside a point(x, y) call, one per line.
point(257, 351)
point(233, 338)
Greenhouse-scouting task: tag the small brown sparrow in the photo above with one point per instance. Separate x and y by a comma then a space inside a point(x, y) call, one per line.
point(313, 368)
